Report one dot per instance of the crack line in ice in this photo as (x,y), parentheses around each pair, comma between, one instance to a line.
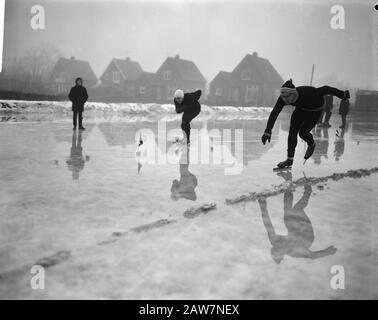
(189,214)
(287,185)
(65,255)
(45,262)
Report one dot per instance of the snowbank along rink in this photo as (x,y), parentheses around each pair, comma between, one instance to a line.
(107,216)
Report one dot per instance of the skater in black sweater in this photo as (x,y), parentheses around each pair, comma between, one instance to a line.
(189,105)
(309,103)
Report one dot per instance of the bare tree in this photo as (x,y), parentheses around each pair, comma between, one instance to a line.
(29,73)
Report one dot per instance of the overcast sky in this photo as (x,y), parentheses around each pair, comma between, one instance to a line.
(216,35)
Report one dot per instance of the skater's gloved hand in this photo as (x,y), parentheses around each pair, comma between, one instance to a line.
(266,136)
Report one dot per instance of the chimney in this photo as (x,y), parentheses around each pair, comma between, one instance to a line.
(254,54)
(72,58)
(127,59)
(177,56)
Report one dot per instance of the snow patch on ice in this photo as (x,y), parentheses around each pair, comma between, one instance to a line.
(287,185)
(23,106)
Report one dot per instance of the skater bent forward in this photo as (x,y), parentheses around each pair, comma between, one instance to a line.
(189,105)
(308,102)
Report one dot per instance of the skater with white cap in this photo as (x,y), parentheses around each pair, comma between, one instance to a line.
(309,103)
(187,103)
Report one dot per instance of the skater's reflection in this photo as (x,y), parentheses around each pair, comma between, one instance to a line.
(322,144)
(185,188)
(76,161)
(139,154)
(339,145)
(300,235)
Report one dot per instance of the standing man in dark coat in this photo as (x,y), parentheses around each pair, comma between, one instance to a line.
(189,105)
(309,103)
(78,95)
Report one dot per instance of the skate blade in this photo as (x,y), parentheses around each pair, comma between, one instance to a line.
(282,169)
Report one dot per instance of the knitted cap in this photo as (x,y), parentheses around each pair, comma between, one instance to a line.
(179,94)
(289,84)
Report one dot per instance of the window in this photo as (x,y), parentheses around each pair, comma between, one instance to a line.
(142,90)
(219,92)
(116,77)
(246,75)
(167,75)
(106,77)
(251,94)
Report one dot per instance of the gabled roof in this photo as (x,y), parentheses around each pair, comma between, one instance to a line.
(187,70)
(130,70)
(75,68)
(263,66)
(223,76)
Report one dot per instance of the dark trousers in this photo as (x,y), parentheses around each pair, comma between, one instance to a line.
(302,122)
(185,123)
(343,119)
(327,116)
(77,114)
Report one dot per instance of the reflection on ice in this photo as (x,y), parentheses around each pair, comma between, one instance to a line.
(339,145)
(76,162)
(300,235)
(185,187)
(127,203)
(322,143)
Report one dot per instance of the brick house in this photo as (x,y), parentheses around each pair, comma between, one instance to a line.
(118,82)
(65,72)
(253,82)
(146,88)
(177,73)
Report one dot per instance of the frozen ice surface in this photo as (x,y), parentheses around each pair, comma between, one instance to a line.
(108,219)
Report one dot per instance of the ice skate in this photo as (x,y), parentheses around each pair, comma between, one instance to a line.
(284,165)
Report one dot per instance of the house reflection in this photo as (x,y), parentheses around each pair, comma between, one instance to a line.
(124,135)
